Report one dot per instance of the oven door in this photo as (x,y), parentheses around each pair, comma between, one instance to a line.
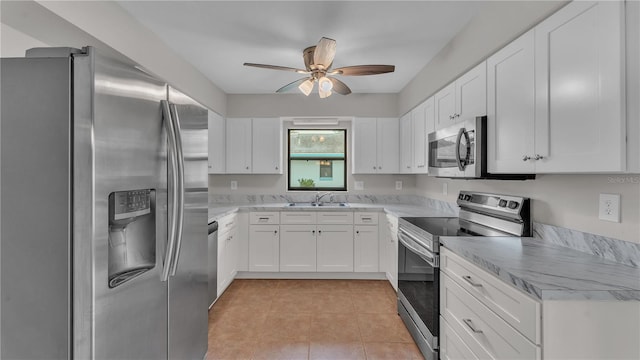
(453,150)
(418,293)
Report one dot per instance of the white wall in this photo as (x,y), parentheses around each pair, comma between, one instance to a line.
(569,201)
(275,105)
(81,23)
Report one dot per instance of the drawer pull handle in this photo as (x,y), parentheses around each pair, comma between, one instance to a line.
(470,325)
(366,219)
(468,279)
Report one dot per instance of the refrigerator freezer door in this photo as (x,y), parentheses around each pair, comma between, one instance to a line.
(36,214)
(188,287)
(120,145)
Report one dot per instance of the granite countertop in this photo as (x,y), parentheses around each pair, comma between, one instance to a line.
(217,211)
(548,272)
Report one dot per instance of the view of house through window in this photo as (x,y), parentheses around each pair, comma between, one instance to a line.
(317,159)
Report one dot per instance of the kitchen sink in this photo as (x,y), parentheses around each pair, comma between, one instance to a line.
(321,204)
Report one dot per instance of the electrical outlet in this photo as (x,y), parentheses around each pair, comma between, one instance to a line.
(609,208)
(399,185)
(234,185)
(445,189)
(358,185)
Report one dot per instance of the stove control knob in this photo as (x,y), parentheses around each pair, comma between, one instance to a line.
(467,197)
(502,203)
(461,197)
(513,204)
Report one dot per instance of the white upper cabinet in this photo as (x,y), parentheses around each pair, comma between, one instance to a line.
(216,143)
(254,146)
(422,118)
(511,107)
(375,145)
(463,99)
(267,146)
(580,123)
(406,144)
(238,146)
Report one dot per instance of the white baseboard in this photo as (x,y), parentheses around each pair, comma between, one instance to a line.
(311,275)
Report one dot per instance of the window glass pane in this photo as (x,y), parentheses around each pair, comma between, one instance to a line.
(317,143)
(311,174)
(317,159)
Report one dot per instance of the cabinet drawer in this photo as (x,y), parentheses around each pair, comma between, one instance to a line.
(451,345)
(335,217)
(366,218)
(484,332)
(298,217)
(264,218)
(227,223)
(517,309)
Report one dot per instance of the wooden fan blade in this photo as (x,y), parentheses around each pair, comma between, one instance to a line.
(275,67)
(339,87)
(359,70)
(292,85)
(325,52)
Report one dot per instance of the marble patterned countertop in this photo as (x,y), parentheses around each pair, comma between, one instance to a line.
(540,269)
(217,211)
(546,271)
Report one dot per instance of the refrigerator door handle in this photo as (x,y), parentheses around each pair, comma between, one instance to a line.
(172,166)
(180,187)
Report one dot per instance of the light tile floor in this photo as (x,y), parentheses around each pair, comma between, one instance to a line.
(308,319)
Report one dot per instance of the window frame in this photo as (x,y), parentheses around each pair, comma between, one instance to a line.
(346,147)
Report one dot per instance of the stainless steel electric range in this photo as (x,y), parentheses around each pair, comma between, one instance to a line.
(481,214)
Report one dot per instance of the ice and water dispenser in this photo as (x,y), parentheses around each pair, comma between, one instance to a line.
(132,234)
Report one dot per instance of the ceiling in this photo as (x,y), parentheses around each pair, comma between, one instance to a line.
(217,37)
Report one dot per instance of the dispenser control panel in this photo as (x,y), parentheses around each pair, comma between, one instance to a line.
(131,203)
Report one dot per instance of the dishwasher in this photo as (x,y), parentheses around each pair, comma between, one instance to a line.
(213,262)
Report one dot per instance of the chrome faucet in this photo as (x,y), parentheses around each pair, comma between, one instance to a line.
(318,196)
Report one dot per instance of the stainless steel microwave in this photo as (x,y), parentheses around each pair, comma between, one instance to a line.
(460,151)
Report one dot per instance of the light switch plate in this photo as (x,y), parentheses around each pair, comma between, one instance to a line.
(399,185)
(234,185)
(609,207)
(358,185)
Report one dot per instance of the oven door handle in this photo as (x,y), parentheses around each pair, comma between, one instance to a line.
(424,254)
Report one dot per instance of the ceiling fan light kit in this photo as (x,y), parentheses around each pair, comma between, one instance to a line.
(318,60)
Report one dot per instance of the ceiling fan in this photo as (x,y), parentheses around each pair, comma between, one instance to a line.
(318,60)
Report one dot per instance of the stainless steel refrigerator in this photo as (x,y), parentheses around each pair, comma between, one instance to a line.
(103,195)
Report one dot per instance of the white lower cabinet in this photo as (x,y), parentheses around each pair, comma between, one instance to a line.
(264,248)
(389,248)
(365,242)
(482,317)
(228,251)
(334,248)
(298,248)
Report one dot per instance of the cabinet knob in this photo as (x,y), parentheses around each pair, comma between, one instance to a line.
(319,232)
(526,157)
(538,157)
(374,168)
(408,167)
(276,168)
(456,115)
(379,167)
(247,168)
(313,232)
(357,231)
(450,117)
(275,231)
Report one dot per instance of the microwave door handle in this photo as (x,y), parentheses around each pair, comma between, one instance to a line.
(458,158)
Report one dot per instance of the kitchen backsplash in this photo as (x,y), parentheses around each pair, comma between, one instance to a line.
(620,251)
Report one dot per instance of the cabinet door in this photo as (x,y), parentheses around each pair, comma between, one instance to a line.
(388,149)
(580,124)
(267,146)
(511,107)
(406,144)
(222,263)
(420,132)
(232,255)
(445,106)
(392,251)
(216,143)
(298,248)
(238,146)
(365,146)
(471,94)
(335,248)
(452,347)
(264,248)
(365,245)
